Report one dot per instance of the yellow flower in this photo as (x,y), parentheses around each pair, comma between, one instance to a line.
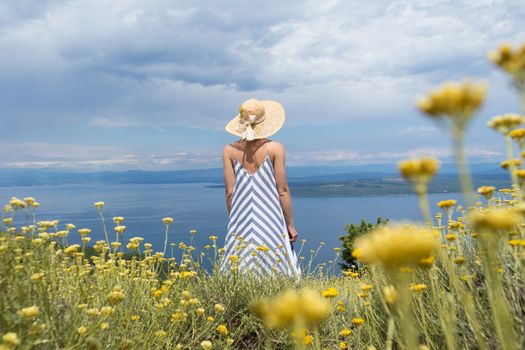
(118,219)
(342,345)
(219,308)
(418,168)
(167,220)
(341,306)
(456,100)
(263,248)
(446,203)
(135,317)
(11,339)
(390,295)
(82,330)
(99,205)
(505,123)
(358,321)
(459,260)
(366,287)
(511,61)
(213,238)
(418,287)
(345,332)
(450,237)
(330,292)
(29,312)
(222,329)
(494,219)
(396,245)
(210,318)
(308,339)
(120,229)
(116,296)
(84,232)
(486,191)
(291,307)
(506,164)
(160,333)
(104,325)
(206,344)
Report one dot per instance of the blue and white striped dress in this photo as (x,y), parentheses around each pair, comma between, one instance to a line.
(257,239)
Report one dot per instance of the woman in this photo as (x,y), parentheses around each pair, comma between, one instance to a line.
(261,232)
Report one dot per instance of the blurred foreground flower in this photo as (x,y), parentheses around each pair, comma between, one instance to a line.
(292,308)
(394,246)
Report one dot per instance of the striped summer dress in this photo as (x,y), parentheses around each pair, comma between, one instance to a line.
(257,239)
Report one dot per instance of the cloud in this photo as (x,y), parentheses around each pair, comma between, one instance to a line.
(73,66)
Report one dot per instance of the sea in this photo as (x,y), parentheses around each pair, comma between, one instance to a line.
(196,206)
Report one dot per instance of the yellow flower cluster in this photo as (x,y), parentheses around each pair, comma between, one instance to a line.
(457,100)
(396,245)
(505,123)
(291,308)
(512,61)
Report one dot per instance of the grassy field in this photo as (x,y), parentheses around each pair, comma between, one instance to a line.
(454,282)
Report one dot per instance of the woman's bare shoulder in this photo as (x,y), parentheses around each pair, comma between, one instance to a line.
(276,146)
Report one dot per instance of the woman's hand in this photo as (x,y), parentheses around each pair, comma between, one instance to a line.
(292,232)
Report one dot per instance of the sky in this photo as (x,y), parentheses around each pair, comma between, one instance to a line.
(114,85)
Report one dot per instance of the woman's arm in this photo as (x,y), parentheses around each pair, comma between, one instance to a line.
(229,176)
(285,196)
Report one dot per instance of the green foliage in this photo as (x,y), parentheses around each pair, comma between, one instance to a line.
(352,232)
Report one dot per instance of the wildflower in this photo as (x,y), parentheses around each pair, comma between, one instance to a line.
(167,220)
(120,229)
(82,330)
(358,321)
(200,311)
(446,203)
(366,287)
(193,231)
(390,295)
(291,307)
(84,232)
(118,220)
(486,191)
(418,287)
(99,205)
(419,171)
(206,344)
(511,61)
(219,308)
(8,221)
(104,325)
(222,329)
(342,345)
(407,245)
(116,296)
(11,339)
(160,333)
(308,339)
(263,248)
(505,123)
(508,163)
(210,318)
(450,237)
(495,219)
(340,306)
(135,317)
(456,100)
(345,332)
(330,292)
(29,312)
(70,227)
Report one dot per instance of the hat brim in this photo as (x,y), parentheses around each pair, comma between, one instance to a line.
(273,121)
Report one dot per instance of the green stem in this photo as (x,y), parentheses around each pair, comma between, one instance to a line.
(423,204)
(463,169)
(165,241)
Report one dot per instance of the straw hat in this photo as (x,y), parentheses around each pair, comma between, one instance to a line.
(257,119)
